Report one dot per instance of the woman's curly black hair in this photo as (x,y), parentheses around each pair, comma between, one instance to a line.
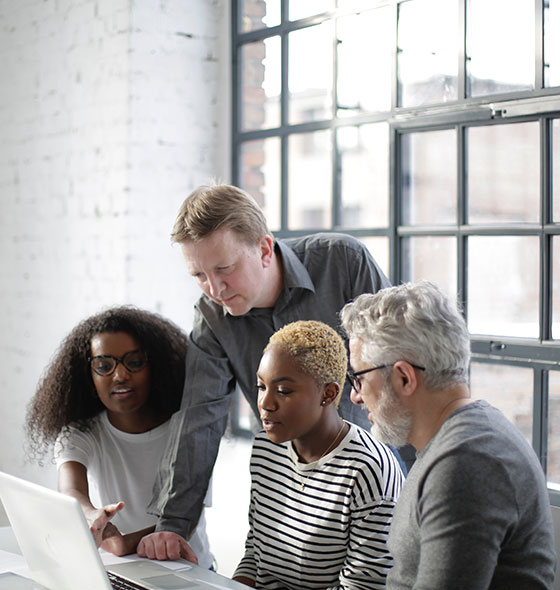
(66,394)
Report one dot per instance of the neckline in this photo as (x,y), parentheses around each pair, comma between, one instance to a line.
(305,467)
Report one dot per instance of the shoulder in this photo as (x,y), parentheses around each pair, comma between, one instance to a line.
(78,440)
(266,450)
(365,446)
(86,430)
(339,251)
(475,448)
(325,242)
(477,427)
(269,459)
(375,465)
(261,442)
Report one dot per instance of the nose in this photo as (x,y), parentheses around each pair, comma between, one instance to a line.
(356,397)
(121,373)
(266,400)
(215,286)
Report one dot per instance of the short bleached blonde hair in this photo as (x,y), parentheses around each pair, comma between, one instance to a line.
(316,348)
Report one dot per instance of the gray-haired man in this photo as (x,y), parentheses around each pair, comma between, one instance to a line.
(474,512)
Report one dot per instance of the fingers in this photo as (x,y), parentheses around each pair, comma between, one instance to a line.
(187,552)
(111,509)
(99,519)
(165,545)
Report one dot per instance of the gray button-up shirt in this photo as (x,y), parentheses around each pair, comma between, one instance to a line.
(321,273)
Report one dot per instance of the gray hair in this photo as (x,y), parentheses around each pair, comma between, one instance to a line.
(413,322)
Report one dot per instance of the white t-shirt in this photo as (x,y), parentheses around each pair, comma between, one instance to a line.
(122,466)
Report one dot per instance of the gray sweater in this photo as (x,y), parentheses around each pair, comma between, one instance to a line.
(474,511)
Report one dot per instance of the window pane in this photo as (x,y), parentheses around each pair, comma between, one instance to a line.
(500,46)
(429,177)
(311,73)
(503,173)
(556,287)
(503,291)
(364,159)
(556,170)
(299,9)
(360,35)
(510,389)
(379,249)
(427,52)
(260,176)
(310,180)
(257,14)
(261,84)
(551,44)
(553,465)
(432,258)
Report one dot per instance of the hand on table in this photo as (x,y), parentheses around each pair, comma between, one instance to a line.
(165,545)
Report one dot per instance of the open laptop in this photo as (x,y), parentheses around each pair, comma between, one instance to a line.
(58,546)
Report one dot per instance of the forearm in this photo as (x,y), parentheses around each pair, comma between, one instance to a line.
(83,498)
(186,467)
(125,544)
(244,580)
(72,481)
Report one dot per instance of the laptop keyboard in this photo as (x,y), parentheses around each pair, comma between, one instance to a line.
(119,583)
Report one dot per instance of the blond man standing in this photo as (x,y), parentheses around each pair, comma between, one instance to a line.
(252,285)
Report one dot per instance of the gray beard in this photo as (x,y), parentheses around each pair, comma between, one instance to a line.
(392,422)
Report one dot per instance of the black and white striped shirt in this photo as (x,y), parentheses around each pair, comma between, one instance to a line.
(331,534)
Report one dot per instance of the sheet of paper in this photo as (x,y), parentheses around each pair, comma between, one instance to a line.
(12,562)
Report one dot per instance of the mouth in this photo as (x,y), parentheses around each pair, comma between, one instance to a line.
(369,414)
(227,300)
(123,391)
(269,424)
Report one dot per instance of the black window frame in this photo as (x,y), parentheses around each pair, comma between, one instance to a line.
(542,354)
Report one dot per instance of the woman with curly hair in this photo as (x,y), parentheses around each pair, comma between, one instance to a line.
(105,403)
(322,490)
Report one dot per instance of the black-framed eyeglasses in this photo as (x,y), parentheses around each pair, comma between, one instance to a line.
(105,365)
(354,377)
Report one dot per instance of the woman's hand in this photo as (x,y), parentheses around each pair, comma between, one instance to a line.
(98,520)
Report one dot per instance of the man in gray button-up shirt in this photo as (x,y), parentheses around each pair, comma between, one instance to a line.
(252,285)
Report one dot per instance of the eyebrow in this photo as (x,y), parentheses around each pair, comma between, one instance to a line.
(278,379)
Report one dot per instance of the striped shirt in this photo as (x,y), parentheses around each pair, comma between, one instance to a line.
(331,534)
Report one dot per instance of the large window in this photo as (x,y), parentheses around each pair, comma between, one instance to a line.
(430,129)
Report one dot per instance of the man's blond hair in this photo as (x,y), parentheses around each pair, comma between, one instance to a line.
(210,208)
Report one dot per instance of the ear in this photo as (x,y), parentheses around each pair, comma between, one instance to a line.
(404,378)
(330,393)
(266,246)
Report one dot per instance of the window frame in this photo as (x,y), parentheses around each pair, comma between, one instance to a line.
(541,354)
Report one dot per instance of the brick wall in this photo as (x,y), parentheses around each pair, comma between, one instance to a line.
(111,112)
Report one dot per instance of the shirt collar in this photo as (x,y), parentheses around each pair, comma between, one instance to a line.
(295,274)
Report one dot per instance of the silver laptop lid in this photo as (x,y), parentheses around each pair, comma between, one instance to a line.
(53,536)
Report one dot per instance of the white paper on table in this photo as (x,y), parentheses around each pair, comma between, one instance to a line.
(12,562)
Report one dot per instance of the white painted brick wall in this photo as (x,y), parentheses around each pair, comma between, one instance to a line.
(111,112)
